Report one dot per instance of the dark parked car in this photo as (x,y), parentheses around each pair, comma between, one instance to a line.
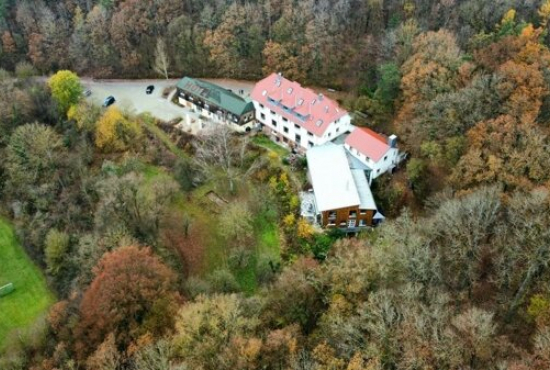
(149,89)
(108,101)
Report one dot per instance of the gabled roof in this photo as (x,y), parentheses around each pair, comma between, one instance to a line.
(368,142)
(331,177)
(216,95)
(298,104)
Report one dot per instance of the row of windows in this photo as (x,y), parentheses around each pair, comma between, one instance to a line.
(285,128)
(353,213)
(350,224)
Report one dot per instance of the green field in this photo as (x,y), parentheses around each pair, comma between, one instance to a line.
(31,297)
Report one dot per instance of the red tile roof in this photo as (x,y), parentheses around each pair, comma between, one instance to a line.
(368,142)
(317,111)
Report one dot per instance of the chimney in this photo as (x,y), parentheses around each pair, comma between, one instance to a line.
(320,97)
(392,141)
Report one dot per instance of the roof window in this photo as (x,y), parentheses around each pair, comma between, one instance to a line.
(319,123)
(289,90)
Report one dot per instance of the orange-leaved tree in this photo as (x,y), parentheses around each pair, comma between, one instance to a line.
(133,294)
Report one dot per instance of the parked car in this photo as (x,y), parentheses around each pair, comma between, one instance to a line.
(149,89)
(87,92)
(108,101)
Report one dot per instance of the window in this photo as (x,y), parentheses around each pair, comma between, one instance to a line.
(262,116)
(309,134)
(285,120)
(353,214)
(329,134)
(386,157)
(264,93)
(289,90)
(362,222)
(337,129)
(261,105)
(298,138)
(274,123)
(378,170)
(285,129)
(273,113)
(319,123)
(310,144)
(301,101)
(332,215)
(362,212)
(297,127)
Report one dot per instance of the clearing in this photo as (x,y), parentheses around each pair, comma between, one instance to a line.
(31,297)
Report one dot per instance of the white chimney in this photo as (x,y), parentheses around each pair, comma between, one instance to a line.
(392,141)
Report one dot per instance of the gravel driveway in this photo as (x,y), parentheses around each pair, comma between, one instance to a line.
(130,94)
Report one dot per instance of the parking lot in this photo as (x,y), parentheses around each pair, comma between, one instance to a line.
(130,95)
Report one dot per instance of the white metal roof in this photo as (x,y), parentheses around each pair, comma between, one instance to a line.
(331,177)
(363,189)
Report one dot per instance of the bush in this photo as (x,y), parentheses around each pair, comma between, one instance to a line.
(223,281)
(25,70)
(195,286)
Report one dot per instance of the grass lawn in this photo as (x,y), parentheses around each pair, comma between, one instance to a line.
(31,297)
(267,143)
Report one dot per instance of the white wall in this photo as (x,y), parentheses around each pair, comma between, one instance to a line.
(307,139)
(384,165)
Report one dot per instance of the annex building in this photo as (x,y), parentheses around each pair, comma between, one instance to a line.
(340,195)
(216,103)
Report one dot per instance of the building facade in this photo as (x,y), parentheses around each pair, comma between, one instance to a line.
(340,196)
(216,103)
(296,116)
(377,153)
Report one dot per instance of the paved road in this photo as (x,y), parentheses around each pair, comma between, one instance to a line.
(130,94)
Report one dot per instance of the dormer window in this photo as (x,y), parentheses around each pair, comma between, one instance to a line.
(289,90)
(301,101)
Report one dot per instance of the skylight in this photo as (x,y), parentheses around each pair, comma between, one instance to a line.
(264,93)
(301,101)
(289,90)
(319,123)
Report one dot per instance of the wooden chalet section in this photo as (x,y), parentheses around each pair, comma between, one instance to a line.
(341,194)
(215,102)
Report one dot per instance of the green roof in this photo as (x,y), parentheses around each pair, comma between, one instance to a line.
(216,95)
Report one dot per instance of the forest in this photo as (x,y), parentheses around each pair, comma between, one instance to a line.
(163,251)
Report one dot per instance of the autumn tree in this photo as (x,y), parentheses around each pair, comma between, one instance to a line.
(34,159)
(133,294)
(56,247)
(133,203)
(214,329)
(66,89)
(506,152)
(115,132)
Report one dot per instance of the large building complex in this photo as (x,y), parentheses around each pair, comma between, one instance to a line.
(297,116)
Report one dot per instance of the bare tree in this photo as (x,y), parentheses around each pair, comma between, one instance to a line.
(162,62)
(217,150)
